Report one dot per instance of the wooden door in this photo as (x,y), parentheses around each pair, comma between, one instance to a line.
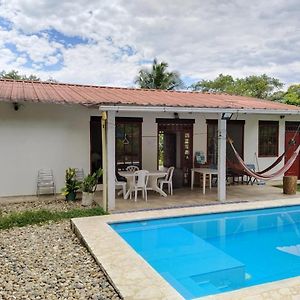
(95,145)
(235,130)
(169,147)
(290,131)
(187,154)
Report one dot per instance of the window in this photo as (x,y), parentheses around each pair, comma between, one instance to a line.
(235,130)
(268,138)
(128,142)
(212,142)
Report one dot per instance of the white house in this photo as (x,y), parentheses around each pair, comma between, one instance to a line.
(51,125)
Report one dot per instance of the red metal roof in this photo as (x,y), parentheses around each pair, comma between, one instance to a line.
(47,92)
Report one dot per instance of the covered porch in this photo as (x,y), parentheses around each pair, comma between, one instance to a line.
(198,139)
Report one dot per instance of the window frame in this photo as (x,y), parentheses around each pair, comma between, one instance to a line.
(135,121)
(210,159)
(261,124)
(211,124)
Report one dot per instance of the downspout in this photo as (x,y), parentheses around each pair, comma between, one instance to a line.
(222,132)
(104,159)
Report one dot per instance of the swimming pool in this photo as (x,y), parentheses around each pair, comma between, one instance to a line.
(214,253)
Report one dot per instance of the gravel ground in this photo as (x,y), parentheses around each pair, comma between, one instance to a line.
(44,202)
(48,262)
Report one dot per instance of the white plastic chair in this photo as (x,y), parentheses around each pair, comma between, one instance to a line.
(139,183)
(122,185)
(45,182)
(168,180)
(132,168)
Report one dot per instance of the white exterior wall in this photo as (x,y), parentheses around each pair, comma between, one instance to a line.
(251,138)
(58,136)
(149,135)
(41,136)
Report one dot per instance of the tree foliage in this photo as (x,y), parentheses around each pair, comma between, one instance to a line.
(13,74)
(291,96)
(261,86)
(158,77)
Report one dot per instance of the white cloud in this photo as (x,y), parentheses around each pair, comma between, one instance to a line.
(198,38)
(6,56)
(20,60)
(97,66)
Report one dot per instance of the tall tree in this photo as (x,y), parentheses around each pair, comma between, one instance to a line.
(158,77)
(13,74)
(291,96)
(222,84)
(261,86)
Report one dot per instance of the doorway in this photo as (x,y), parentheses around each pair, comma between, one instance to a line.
(95,145)
(291,131)
(175,147)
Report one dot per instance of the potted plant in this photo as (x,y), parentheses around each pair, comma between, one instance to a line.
(72,185)
(88,187)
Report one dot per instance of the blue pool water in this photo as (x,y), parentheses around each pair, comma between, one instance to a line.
(210,254)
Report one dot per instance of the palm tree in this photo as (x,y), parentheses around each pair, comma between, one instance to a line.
(158,77)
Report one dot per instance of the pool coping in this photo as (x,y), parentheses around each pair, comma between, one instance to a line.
(141,281)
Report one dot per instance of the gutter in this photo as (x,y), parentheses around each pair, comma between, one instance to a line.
(136,108)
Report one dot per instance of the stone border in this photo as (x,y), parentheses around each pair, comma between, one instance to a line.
(132,276)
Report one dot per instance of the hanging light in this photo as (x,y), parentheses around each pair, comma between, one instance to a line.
(226,116)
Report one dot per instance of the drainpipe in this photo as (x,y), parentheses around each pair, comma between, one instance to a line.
(222,131)
(104,159)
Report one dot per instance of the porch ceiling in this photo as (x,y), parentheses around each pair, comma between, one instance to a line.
(189,109)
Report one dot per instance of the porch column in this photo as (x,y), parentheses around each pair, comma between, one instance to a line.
(221,158)
(104,159)
(108,159)
(111,163)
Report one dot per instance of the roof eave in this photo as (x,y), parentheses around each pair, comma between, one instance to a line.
(181,109)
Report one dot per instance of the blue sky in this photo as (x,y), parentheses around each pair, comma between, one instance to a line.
(107,42)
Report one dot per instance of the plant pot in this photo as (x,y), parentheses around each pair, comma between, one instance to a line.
(87,199)
(71,196)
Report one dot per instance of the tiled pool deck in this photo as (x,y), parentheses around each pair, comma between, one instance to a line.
(134,278)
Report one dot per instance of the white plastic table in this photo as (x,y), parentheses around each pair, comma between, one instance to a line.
(152,181)
(204,172)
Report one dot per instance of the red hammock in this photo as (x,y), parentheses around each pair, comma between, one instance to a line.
(274,164)
(259,176)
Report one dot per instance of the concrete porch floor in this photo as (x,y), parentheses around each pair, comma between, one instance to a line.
(185,197)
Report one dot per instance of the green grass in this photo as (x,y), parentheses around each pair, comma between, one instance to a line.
(280,186)
(41,216)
